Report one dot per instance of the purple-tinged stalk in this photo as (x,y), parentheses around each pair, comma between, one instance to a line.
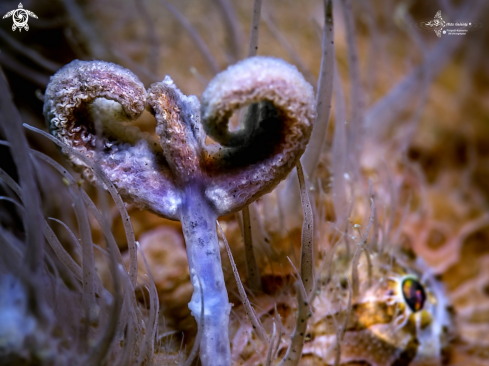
(177,175)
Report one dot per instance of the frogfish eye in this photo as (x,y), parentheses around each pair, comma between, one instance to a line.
(413,293)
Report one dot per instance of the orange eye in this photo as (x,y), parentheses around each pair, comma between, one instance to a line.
(413,293)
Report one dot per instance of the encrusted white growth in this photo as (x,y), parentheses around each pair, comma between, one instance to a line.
(195,305)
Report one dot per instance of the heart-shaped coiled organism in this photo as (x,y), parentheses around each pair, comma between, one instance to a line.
(174,173)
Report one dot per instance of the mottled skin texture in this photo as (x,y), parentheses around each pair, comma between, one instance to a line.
(174,173)
(381,330)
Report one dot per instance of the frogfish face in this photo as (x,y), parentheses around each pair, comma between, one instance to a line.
(399,316)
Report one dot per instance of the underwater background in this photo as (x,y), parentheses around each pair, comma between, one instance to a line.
(403,163)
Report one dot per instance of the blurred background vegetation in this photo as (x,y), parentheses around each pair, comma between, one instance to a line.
(192,40)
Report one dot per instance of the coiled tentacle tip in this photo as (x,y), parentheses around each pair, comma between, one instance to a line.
(151,170)
(253,160)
